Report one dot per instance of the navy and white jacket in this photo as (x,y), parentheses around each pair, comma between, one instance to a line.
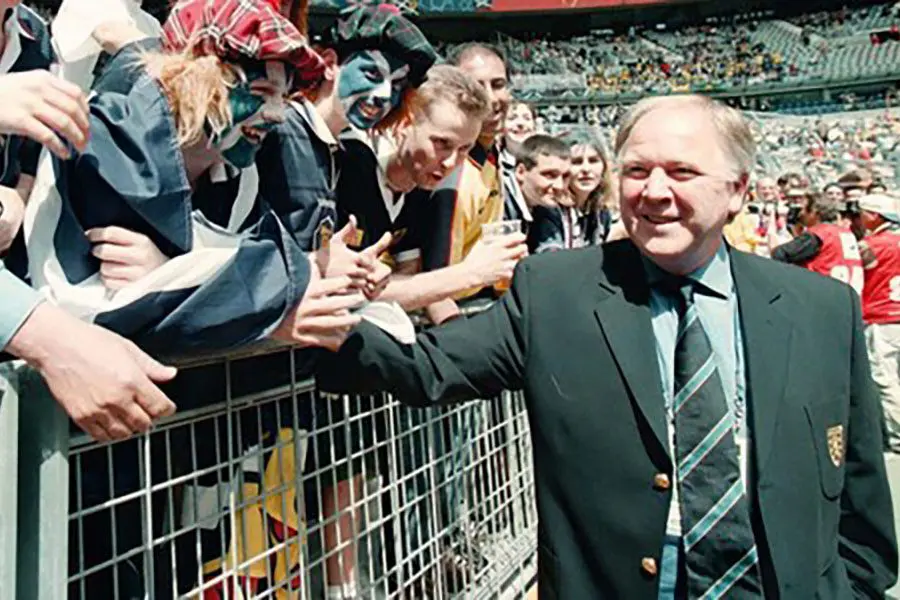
(231,276)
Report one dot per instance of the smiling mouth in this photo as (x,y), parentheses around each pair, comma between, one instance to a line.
(659,220)
(369,110)
(253,135)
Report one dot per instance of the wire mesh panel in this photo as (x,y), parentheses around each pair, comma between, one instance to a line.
(263,487)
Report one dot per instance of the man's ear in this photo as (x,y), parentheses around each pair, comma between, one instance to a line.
(401,132)
(736,202)
(520,173)
(332,68)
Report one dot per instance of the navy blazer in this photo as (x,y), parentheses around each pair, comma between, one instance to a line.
(574,333)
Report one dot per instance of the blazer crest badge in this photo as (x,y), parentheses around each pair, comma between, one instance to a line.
(836,444)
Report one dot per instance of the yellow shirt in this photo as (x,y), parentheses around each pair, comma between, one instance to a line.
(467,199)
(741,233)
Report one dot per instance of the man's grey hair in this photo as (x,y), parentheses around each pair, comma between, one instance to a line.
(735,135)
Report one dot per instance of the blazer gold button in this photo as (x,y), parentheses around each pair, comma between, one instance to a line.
(661,481)
(649,566)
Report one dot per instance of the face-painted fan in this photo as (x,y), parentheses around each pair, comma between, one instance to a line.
(228,275)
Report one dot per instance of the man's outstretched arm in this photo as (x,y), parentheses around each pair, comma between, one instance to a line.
(470,358)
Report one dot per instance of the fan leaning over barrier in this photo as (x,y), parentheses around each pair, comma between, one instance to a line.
(228,272)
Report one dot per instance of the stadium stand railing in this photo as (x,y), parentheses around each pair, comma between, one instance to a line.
(231,497)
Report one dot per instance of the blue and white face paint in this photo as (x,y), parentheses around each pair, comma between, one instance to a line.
(257,106)
(370,86)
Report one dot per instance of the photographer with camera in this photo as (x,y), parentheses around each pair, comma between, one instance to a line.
(826,246)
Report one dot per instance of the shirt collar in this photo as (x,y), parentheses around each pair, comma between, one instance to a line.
(714,276)
(315,121)
(507,159)
(16,24)
(480,155)
(385,150)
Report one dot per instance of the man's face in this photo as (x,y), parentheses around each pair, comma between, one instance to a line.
(808,216)
(547,182)
(370,85)
(587,169)
(257,106)
(767,190)
(870,220)
(437,142)
(519,122)
(488,70)
(834,192)
(677,188)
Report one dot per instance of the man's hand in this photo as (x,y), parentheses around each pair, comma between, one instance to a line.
(322,317)
(380,275)
(105,383)
(366,272)
(44,108)
(492,260)
(125,256)
(338,260)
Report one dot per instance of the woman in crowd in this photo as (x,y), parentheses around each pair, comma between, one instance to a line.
(520,123)
(834,191)
(587,216)
(592,189)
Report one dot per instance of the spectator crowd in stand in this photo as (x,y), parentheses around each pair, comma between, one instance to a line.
(743,51)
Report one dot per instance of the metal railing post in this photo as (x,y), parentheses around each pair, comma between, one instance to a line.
(43,532)
(9,460)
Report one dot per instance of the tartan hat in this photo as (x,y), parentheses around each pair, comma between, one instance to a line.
(382,28)
(241,30)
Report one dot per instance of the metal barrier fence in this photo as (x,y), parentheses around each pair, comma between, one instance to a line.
(263,487)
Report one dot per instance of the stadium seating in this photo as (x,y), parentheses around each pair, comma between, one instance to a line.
(719,56)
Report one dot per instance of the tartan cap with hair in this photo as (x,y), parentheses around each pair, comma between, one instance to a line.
(382,28)
(242,30)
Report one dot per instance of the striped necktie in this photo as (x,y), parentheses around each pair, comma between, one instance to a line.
(720,554)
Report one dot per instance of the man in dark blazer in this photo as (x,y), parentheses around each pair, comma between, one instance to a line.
(703,420)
